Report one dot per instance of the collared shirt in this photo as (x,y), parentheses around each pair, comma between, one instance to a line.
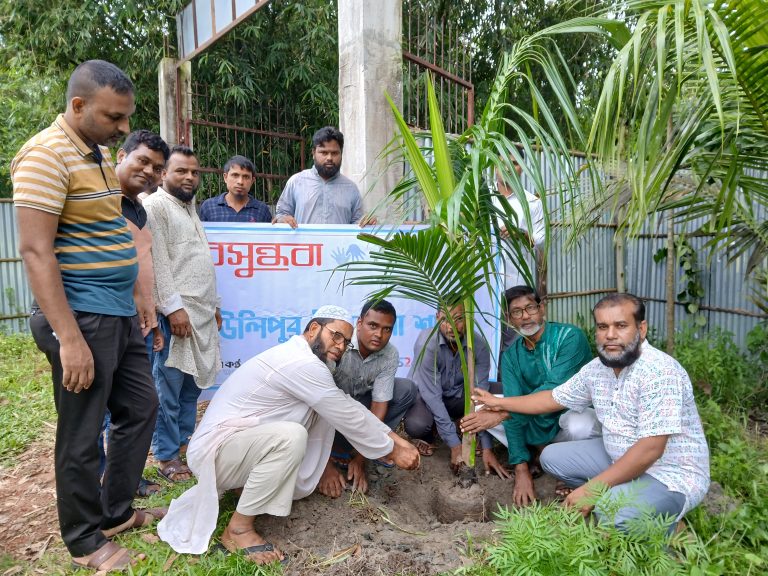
(216,209)
(312,200)
(56,172)
(185,278)
(537,235)
(560,352)
(357,376)
(438,375)
(652,397)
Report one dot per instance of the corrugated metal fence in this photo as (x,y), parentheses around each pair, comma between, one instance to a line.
(576,279)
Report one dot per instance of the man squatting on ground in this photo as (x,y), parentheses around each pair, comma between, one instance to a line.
(81,263)
(440,384)
(185,283)
(653,449)
(269,430)
(544,356)
(366,372)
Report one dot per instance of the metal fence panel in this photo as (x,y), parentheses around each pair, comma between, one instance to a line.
(16,296)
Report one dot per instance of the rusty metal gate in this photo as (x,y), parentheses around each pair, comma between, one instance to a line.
(263,134)
(432,43)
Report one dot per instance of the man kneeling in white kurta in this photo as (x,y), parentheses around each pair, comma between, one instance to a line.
(269,430)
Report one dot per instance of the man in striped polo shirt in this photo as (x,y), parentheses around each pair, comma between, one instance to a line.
(81,263)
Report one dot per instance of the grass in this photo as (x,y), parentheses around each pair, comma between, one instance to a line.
(539,540)
(26,401)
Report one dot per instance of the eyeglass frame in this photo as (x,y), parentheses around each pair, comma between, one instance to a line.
(531,309)
(336,335)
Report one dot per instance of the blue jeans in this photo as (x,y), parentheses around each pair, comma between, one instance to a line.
(178,396)
(577,461)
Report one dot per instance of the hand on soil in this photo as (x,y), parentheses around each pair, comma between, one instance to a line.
(456,459)
(492,464)
(356,474)
(576,498)
(332,482)
(524,492)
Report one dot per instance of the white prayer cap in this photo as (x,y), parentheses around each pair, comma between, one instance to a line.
(333,312)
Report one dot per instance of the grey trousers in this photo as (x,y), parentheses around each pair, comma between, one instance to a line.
(578,461)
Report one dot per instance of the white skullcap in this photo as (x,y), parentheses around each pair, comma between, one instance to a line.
(333,312)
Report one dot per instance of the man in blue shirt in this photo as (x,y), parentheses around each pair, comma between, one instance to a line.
(236,205)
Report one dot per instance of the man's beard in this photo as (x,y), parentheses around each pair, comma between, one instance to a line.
(327,171)
(319,349)
(179,193)
(626,357)
(530,331)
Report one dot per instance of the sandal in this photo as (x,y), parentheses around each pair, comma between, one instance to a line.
(139,519)
(174,467)
(248,550)
(109,558)
(148,488)
(424,448)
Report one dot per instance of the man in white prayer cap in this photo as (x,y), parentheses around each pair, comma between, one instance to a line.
(269,430)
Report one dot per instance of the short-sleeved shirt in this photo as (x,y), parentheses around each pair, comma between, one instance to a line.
(357,376)
(216,209)
(652,397)
(56,172)
(312,200)
(559,354)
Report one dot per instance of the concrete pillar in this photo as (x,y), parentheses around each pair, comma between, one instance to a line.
(172,77)
(370,63)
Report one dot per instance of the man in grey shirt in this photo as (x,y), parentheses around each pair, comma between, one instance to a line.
(321,195)
(367,373)
(440,383)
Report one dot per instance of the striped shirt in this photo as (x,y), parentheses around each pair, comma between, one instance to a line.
(56,172)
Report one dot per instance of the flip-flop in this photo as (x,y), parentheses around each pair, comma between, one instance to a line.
(172,468)
(268,547)
(140,519)
(384,463)
(148,488)
(424,448)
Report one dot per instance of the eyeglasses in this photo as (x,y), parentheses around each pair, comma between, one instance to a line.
(531,309)
(339,338)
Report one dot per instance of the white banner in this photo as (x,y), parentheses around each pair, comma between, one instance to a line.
(272,278)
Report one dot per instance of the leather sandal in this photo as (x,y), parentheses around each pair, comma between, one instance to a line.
(109,558)
(140,519)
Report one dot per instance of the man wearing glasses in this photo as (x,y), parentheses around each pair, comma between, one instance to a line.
(367,373)
(546,355)
(269,430)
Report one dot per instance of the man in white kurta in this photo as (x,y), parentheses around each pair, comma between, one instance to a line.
(269,429)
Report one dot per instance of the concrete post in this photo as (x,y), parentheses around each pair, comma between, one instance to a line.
(169,82)
(370,63)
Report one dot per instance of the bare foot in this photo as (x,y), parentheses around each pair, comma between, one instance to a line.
(332,482)
(251,544)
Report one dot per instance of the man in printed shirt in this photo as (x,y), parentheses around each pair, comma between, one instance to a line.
(185,284)
(653,449)
(366,372)
(81,263)
(236,204)
(546,355)
(321,194)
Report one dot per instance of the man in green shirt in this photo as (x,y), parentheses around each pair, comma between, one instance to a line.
(544,356)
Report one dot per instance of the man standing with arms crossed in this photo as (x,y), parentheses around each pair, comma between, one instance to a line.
(81,263)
